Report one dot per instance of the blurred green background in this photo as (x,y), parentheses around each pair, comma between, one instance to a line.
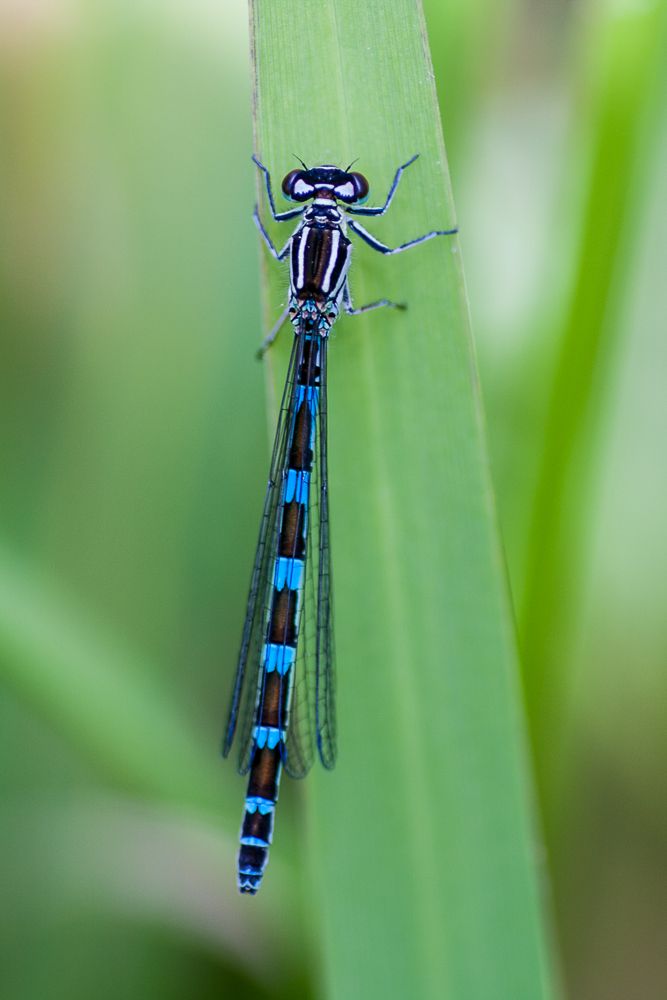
(134,450)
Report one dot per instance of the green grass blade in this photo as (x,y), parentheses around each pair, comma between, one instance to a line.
(97,695)
(422,849)
(626,82)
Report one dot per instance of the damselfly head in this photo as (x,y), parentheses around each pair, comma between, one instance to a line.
(347,186)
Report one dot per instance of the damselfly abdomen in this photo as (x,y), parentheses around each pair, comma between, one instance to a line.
(282,703)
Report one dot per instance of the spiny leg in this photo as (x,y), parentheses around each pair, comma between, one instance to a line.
(392,191)
(278,254)
(351,311)
(383,248)
(272,334)
(278,216)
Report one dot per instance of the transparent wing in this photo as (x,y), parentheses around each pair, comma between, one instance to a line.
(248,679)
(325,705)
(312,718)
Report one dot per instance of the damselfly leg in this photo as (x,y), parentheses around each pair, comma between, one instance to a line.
(351,311)
(365,210)
(277,216)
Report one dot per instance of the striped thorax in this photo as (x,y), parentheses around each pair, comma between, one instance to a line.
(320,257)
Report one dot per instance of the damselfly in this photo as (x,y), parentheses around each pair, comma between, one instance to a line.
(282,703)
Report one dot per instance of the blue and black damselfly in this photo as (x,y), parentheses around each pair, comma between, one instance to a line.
(282,704)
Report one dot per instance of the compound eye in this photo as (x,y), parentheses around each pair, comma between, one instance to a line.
(360,186)
(354,189)
(296,187)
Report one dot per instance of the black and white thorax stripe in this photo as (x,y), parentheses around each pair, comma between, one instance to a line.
(320,254)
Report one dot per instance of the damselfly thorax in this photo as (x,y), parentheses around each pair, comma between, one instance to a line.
(320,255)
